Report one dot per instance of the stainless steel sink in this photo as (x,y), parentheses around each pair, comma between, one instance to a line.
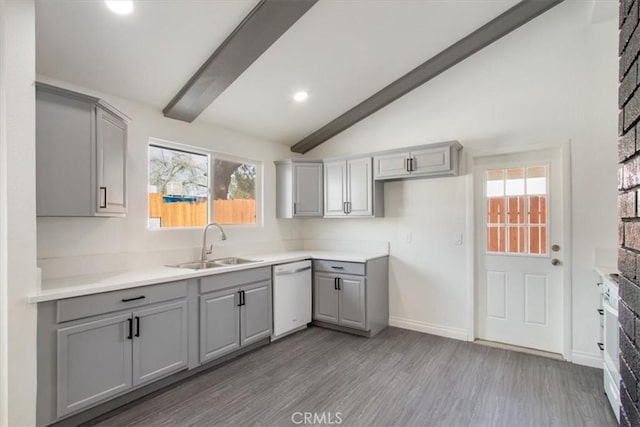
(199,265)
(216,263)
(234,261)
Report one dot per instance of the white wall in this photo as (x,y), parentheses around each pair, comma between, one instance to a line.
(72,246)
(17,215)
(551,81)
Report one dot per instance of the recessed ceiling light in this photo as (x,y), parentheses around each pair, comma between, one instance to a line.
(300,96)
(121,7)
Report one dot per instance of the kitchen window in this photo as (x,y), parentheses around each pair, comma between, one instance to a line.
(190,187)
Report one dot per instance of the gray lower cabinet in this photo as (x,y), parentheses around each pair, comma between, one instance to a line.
(340,299)
(235,317)
(219,324)
(326,297)
(352,304)
(98,359)
(94,362)
(255,313)
(159,341)
(351,295)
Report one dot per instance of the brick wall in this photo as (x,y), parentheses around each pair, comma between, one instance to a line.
(629,227)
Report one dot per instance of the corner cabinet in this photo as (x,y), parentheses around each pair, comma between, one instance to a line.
(433,160)
(350,296)
(349,189)
(81,155)
(299,188)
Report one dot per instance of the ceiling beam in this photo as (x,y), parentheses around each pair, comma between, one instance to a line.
(255,34)
(502,25)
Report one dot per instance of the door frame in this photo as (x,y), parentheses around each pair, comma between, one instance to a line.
(473,258)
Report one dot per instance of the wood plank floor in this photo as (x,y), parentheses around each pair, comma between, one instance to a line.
(399,378)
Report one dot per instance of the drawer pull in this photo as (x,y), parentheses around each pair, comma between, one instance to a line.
(133,299)
(335,267)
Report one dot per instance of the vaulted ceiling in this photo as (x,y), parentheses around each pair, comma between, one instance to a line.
(340,52)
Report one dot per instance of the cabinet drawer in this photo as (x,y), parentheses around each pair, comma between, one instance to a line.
(106,302)
(356,268)
(236,278)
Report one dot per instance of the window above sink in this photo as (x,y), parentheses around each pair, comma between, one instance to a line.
(188,187)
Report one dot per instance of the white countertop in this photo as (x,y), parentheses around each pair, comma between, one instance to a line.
(605,270)
(69,287)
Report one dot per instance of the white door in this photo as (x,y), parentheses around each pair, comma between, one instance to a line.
(360,188)
(335,188)
(520,249)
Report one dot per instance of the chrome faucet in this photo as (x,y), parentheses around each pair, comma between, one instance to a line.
(207,251)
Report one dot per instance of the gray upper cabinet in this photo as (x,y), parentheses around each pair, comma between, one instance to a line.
(81,154)
(219,324)
(350,190)
(93,363)
(298,188)
(160,341)
(111,158)
(431,160)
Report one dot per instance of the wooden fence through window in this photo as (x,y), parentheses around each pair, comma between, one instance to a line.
(194,214)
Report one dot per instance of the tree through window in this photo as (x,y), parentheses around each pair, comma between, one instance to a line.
(182,181)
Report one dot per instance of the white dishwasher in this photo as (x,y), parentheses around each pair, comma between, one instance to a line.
(291,298)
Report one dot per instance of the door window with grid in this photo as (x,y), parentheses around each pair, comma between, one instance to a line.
(517,210)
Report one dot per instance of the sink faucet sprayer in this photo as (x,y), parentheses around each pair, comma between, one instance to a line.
(208,251)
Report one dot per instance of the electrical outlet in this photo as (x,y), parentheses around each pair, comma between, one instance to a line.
(457,238)
(408,237)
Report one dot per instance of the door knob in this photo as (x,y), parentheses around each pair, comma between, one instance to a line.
(555,248)
(556,261)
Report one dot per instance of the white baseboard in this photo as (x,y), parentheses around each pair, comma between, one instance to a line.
(587,359)
(429,328)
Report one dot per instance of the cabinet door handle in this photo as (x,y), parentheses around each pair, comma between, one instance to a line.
(133,299)
(244,301)
(344,207)
(137,326)
(335,283)
(239,298)
(103,203)
(130,327)
(339,280)
(601,312)
(406,164)
(601,346)
(348,207)
(411,159)
(295,208)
